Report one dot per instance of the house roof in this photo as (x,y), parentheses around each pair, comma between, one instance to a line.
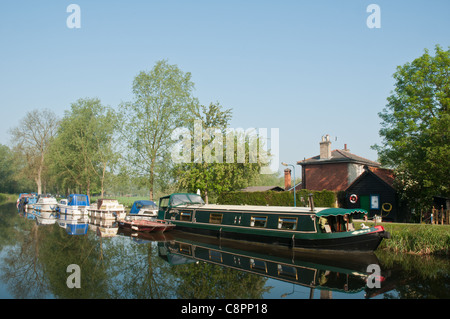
(339,156)
(384,174)
(387,175)
(262,189)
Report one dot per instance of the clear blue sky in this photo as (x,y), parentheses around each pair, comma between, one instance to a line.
(308,68)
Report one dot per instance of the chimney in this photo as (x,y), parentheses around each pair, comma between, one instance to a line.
(325,147)
(287,178)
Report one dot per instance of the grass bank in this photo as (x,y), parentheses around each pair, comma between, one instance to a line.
(5,198)
(420,239)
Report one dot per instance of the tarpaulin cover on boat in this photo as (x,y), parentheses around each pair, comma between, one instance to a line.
(340,211)
(137,205)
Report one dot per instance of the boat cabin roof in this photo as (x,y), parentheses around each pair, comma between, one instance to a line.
(187,200)
(78,200)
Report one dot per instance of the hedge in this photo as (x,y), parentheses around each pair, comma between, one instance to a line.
(321,198)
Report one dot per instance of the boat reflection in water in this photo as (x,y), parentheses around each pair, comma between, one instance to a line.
(73,224)
(103,227)
(145,237)
(343,272)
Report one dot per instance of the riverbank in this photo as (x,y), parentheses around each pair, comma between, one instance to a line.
(419,239)
(4,198)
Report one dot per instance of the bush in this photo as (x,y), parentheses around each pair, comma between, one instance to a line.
(321,198)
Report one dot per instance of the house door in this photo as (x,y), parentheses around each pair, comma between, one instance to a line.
(365,202)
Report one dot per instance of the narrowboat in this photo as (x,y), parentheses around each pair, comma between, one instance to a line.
(316,228)
(107,209)
(75,205)
(343,272)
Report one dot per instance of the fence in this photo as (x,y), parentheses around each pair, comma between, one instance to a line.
(436,216)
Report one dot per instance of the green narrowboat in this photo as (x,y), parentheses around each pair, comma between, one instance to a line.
(295,227)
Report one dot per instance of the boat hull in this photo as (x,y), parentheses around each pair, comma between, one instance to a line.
(358,241)
(146,226)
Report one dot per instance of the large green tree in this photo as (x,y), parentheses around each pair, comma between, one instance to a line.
(83,149)
(162,98)
(415,127)
(220,159)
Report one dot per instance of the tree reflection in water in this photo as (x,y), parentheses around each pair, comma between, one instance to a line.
(34,261)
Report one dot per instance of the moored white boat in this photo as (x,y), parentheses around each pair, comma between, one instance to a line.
(45,210)
(107,209)
(75,205)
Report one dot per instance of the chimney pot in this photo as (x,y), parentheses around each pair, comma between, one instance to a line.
(287,178)
(325,147)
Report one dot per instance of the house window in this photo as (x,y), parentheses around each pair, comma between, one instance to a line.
(258,221)
(215,218)
(185,216)
(287,223)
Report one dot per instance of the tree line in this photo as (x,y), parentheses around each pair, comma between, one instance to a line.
(95,148)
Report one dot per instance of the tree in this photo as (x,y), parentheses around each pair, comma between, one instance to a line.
(83,148)
(162,98)
(415,127)
(32,138)
(208,172)
(7,170)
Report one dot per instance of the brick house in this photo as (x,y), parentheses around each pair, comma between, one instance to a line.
(333,170)
(341,171)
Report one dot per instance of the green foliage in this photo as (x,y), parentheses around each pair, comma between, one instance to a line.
(12,173)
(215,174)
(321,198)
(7,169)
(415,127)
(162,98)
(83,147)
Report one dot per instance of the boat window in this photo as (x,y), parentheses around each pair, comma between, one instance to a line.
(196,199)
(287,223)
(186,199)
(186,216)
(258,221)
(164,202)
(287,271)
(215,218)
(258,264)
(215,255)
(185,249)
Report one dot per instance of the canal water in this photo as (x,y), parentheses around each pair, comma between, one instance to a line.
(96,260)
